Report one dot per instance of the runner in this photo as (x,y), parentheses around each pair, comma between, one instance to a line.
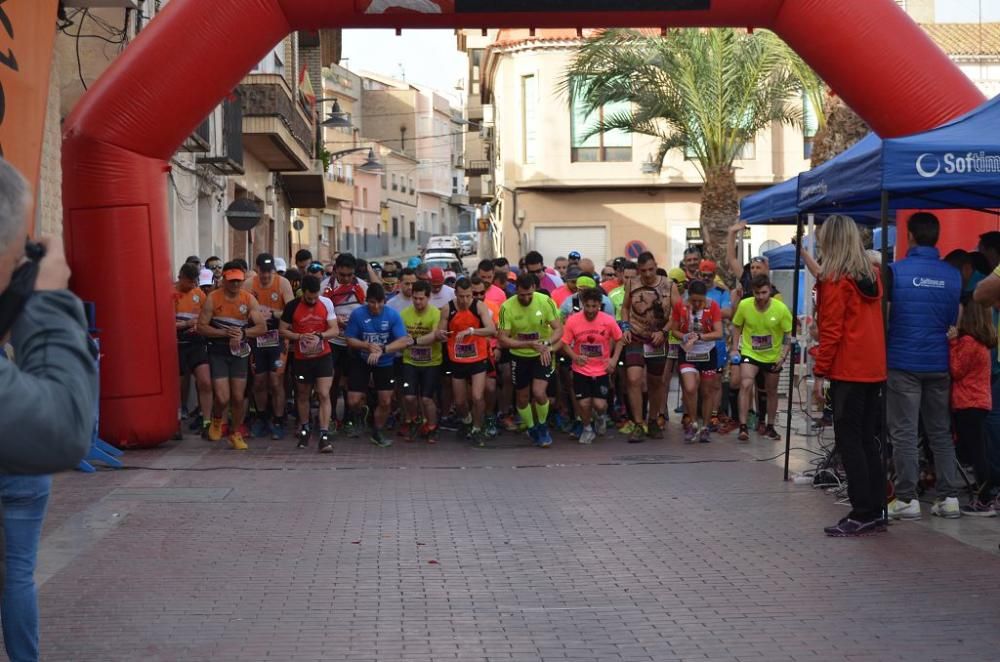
(587,340)
(762,329)
(404,299)
(441,294)
(347,293)
(490,427)
(270,356)
(628,271)
(421,365)
(191,349)
(648,298)
(561,265)
(527,322)
(568,288)
(229,319)
(309,323)
(494,294)
(535,265)
(467,324)
(375,333)
(698,322)
(719,294)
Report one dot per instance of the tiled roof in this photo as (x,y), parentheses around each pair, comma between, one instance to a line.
(966,38)
(508,37)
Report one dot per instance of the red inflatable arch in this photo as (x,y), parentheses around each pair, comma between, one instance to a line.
(120,137)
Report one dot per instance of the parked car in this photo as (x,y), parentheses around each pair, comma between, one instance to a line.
(447,261)
(470,242)
(444,242)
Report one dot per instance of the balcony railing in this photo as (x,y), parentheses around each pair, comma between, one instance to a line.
(226,154)
(477,168)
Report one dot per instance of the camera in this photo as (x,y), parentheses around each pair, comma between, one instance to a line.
(22,284)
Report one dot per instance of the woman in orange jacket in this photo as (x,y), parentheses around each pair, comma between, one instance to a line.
(851,354)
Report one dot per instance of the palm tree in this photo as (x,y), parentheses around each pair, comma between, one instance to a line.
(707,91)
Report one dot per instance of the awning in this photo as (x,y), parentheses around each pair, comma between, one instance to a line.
(305,190)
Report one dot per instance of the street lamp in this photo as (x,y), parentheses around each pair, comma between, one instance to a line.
(337,119)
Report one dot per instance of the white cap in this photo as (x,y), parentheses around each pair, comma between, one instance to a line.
(205,277)
(280,264)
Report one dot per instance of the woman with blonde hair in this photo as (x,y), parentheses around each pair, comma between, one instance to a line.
(851,355)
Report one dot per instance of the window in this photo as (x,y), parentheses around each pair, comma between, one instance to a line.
(605,146)
(454,185)
(364,239)
(364,198)
(412,190)
(529,118)
(476,58)
(356,196)
(273,62)
(413,230)
(394,186)
(395,226)
(383,178)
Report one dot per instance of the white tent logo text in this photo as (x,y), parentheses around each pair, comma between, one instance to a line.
(929,165)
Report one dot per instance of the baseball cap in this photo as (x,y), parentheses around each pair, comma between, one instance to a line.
(265,262)
(280,264)
(234,274)
(315,268)
(707,267)
(205,277)
(574,255)
(573,272)
(677,275)
(585,282)
(413,263)
(437,275)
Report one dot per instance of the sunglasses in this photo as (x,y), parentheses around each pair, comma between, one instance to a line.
(607,274)
(758,260)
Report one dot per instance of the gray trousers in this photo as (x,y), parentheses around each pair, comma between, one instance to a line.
(915,397)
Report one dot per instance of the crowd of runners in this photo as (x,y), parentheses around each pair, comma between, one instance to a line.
(350,348)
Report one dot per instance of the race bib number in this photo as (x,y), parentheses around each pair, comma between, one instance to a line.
(591,351)
(269,339)
(699,357)
(420,354)
(761,343)
(310,345)
(465,350)
(242,350)
(651,352)
(528,336)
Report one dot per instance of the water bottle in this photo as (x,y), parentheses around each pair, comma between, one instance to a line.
(735,359)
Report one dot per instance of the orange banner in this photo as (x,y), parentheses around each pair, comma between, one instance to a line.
(27,37)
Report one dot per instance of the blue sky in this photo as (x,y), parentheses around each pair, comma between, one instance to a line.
(429,56)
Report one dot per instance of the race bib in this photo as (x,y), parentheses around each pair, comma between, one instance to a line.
(591,351)
(242,350)
(310,345)
(528,336)
(700,357)
(465,350)
(761,343)
(673,350)
(420,354)
(269,339)
(651,352)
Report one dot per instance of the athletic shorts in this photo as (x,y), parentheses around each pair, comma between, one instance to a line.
(586,388)
(421,380)
(635,357)
(764,367)
(467,370)
(505,356)
(526,370)
(226,366)
(191,355)
(340,355)
(307,371)
(709,367)
(269,359)
(360,375)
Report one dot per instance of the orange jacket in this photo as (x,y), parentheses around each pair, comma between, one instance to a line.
(851,334)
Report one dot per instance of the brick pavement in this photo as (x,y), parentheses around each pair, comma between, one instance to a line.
(615,552)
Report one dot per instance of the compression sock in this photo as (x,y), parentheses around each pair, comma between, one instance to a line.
(543,412)
(527,418)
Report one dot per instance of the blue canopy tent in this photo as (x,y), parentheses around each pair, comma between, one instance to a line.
(778,204)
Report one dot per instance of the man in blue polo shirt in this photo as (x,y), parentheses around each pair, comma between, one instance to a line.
(375,333)
(924,299)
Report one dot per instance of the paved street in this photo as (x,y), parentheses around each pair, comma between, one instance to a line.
(618,552)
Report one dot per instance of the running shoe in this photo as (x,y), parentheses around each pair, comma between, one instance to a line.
(577,429)
(278,430)
(325,444)
(491,430)
(628,427)
(744,433)
(947,508)
(259,428)
(237,442)
(587,435)
(390,423)
(771,433)
(654,430)
(196,423)
(706,435)
(977,508)
(601,425)
(690,434)
(429,433)
(761,428)
(205,424)
(714,422)
(544,436)
(902,509)
(477,437)
(244,430)
(637,434)
(406,430)
(510,424)
(535,434)
(379,440)
(850,528)
(304,433)
(215,430)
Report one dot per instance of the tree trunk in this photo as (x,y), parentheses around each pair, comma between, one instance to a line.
(720,208)
(843,128)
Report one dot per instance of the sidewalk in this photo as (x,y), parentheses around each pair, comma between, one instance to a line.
(653,552)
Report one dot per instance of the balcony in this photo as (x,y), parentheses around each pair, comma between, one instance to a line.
(477,168)
(200,141)
(225,154)
(338,189)
(275,129)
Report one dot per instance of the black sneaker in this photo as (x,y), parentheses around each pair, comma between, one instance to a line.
(379,440)
(849,528)
(771,433)
(325,445)
(744,433)
(303,435)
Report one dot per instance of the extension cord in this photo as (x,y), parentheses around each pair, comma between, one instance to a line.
(802,480)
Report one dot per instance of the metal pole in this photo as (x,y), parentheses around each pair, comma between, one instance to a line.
(884,433)
(791,364)
(810,304)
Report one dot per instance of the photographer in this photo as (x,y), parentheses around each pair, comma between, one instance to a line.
(48,395)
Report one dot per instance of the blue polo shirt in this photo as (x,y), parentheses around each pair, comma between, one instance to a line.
(380,330)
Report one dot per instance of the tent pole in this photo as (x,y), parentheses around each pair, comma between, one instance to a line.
(791,364)
(810,305)
(884,434)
